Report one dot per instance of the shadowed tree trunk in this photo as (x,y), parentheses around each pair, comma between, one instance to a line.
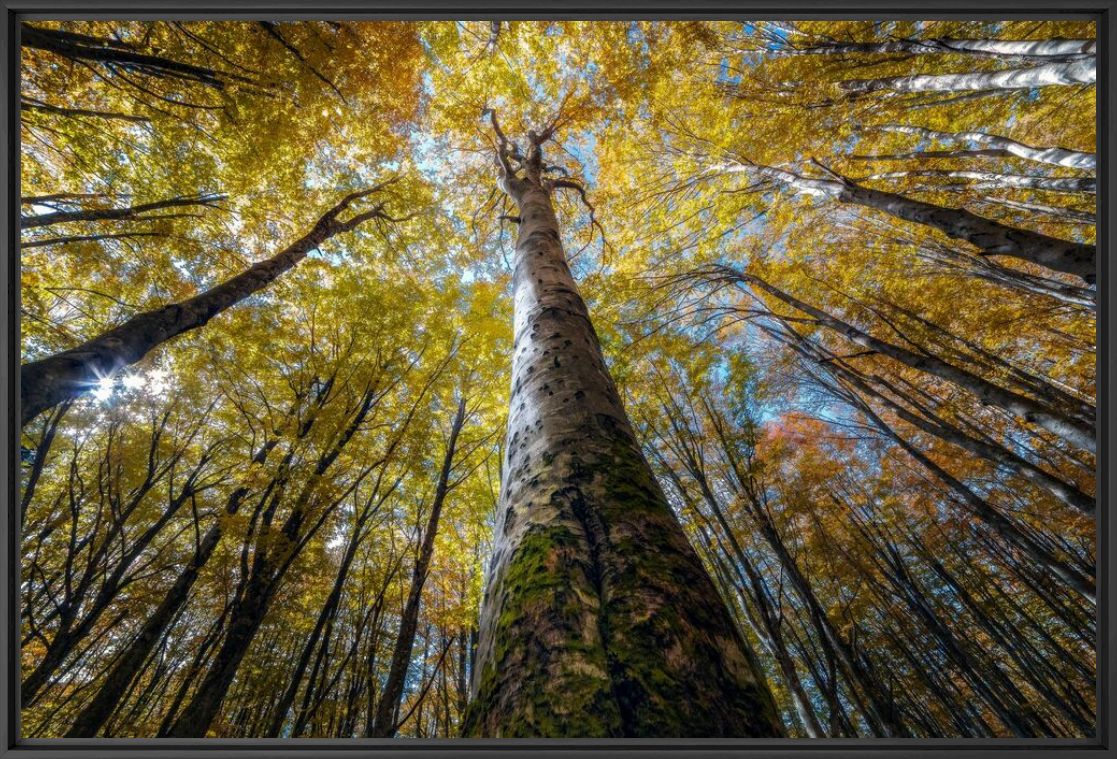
(599,618)
(1074,430)
(386,709)
(990,238)
(131,213)
(129,663)
(54,379)
(269,565)
(82,47)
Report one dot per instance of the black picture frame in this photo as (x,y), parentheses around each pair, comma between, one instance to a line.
(1103,12)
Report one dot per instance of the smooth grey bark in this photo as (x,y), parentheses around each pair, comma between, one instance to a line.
(994,180)
(921,155)
(1070,215)
(1073,72)
(1056,156)
(1052,48)
(49,381)
(990,238)
(599,618)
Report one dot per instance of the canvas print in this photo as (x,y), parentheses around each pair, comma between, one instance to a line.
(558,379)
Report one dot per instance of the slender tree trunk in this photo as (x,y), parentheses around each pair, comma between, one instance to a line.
(82,47)
(195,719)
(1052,48)
(269,566)
(992,452)
(878,709)
(388,706)
(1004,527)
(738,575)
(1056,156)
(993,180)
(991,238)
(1000,524)
(131,661)
(599,618)
(50,429)
(1081,71)
(115,214)
(325,617)
(989,682)
(62,376)
(1072,430)
(72,630)
(1065,701)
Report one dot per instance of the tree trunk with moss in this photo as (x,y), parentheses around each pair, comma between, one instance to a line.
(599,618)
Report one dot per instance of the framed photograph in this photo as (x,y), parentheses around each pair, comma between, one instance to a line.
(427,379)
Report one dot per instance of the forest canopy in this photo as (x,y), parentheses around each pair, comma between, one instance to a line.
(558,378)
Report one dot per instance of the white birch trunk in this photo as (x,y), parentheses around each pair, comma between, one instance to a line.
(1056,156)
(993,180)
(1053,48)
(1045,75)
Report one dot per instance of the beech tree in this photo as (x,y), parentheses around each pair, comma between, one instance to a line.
(591,634)
(756,397)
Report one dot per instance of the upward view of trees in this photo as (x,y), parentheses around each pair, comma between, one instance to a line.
(558,378)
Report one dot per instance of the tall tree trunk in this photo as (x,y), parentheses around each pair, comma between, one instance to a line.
(991,180)
(51,380)
(385,724)
(1052,48)
(1081,71)
(130,662)
(1074,431)
(115,214)
(1055,156)
(991,238)
(599,618)
(269,566)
